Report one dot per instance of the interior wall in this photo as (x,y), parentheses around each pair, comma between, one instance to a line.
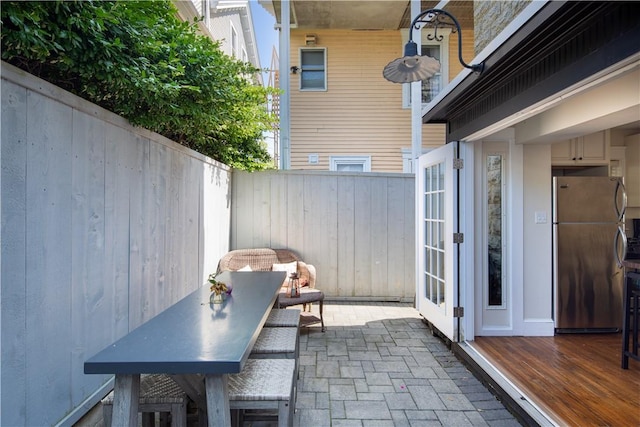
(537,241)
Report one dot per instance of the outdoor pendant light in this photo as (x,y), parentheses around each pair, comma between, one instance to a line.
(413,67)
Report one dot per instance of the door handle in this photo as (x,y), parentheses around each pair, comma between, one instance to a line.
(616,240)
(620,210)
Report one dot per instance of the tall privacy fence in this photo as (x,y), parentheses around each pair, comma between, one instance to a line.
(103,226)
(357,229)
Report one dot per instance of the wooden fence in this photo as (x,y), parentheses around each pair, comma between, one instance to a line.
(357,229)
(103,226)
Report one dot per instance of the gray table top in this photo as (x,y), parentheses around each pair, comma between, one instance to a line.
(193,336)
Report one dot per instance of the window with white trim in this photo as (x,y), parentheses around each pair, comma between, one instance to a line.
(407,158)
(350,163)
(234,42)
(435,47)
(313,69)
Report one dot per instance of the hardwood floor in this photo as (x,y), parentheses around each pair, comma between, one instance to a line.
(574,378)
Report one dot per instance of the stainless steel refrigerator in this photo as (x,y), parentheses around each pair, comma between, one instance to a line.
(588,237)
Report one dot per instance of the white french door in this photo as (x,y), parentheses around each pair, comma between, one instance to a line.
(437,217)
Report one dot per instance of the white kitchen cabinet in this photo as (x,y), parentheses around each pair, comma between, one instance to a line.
(632,170)
(588,150)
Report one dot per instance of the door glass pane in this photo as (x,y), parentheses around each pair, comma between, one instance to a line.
(494,229)
(434,238)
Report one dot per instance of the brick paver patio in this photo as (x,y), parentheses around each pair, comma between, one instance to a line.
(378,365)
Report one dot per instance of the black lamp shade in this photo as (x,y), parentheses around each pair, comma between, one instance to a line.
(412,67)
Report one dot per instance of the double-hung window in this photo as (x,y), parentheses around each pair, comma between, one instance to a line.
(350,163)
(313,69)
(234,42)
(435,46)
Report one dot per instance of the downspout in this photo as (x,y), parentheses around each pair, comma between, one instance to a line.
(285,102)
(416,144)
(416,101)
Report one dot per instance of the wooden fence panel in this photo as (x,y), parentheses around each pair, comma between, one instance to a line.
(345,253)
(123,155)
(278,210)
(357,229)
(14,251)
(48,239)
(295,213)
(87,245)
(362,237)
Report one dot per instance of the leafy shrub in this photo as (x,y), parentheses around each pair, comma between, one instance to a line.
(139,60)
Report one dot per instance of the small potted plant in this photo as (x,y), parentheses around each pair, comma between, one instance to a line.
(218,289)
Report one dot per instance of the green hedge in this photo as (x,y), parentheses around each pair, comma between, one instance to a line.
(139,60)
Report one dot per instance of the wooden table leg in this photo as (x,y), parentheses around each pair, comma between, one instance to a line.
(193,385)
(126,394)
(218,411)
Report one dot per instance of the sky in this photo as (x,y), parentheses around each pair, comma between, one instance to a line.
(266,35)
(267,39)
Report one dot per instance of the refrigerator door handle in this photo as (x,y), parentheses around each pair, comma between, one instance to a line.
(620,233)
(620,210)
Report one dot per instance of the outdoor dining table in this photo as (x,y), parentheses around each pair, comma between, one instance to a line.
(191,339)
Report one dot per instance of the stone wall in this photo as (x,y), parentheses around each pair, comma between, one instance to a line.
(491,17)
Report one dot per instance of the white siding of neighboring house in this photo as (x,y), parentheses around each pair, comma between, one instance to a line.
(360,113)
(188,10)
(221,29)
(223,15)
(237,15)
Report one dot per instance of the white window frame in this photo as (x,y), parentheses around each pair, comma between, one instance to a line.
(495,149)
(233,40)
(425,33)
(407,161)
(301,68)
(335,161)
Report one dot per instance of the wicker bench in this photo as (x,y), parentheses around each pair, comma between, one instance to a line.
(283,319)
(277,343)
(158,393)
(265,384)
(263,259)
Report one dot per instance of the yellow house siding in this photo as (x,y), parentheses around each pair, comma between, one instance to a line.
(360,113)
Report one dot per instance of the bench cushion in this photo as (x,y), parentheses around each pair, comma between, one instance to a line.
(263,379)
